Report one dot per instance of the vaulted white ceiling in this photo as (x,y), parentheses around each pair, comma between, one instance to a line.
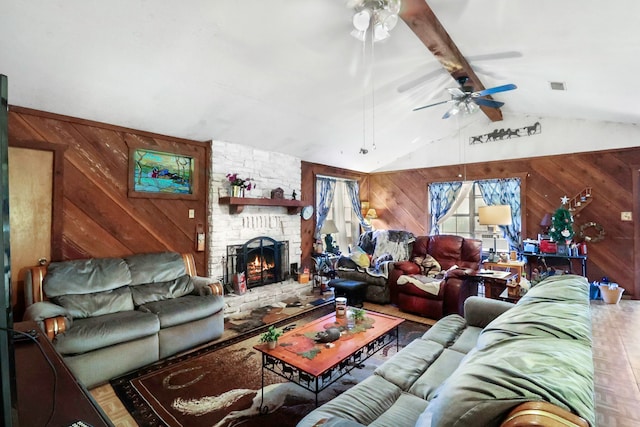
(286,76)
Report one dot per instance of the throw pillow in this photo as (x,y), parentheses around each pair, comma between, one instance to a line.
(429,266)
(360,257)
(346,262)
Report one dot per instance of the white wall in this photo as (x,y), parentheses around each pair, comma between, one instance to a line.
(558,136)
(269,170)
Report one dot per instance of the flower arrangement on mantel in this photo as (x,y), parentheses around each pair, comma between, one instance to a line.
(238,185)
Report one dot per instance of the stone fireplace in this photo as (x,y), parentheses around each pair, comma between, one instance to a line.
(267,227)
(263,260)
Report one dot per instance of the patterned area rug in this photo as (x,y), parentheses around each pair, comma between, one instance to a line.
(221,386)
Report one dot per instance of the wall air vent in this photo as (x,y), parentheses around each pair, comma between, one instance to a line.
(557,86)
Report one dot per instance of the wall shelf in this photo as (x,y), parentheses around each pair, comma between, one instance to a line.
(237,204)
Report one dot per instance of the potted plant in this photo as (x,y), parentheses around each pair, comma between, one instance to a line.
(271,337)
(358,314)
(238,185)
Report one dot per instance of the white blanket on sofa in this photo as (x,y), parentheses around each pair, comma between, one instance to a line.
(426,283)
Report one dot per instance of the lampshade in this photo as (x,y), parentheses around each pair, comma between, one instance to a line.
(329,227)
(372,214)
(495,215)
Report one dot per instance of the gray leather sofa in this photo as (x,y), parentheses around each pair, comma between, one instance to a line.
(108,316)
(500,365)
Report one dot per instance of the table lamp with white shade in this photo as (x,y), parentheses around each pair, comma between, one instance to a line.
(493,216)
(327,229)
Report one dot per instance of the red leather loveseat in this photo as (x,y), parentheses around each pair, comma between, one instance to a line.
(448,250)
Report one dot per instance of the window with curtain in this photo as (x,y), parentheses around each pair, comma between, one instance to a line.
(462,217)
(343,215)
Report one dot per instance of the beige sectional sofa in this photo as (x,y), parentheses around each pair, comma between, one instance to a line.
(500,364)
(108,316)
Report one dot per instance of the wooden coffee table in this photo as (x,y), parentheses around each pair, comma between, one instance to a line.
(315,366)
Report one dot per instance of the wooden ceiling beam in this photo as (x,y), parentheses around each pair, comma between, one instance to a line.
(423,22)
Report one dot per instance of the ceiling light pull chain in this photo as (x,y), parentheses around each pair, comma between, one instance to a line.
(364,150)
(373,97)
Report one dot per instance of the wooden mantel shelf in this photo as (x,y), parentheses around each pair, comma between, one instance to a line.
(237,204)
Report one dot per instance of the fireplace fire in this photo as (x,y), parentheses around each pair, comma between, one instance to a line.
(262,259)
(258,267)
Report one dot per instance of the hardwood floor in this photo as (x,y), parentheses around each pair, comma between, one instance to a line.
(616,358)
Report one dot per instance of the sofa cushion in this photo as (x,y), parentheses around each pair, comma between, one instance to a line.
(404,412)
(364,403)
(436,373)
(467,340)
(155,267)
(85,276)
(102,331)
(188,308)
(151,292)
(409,364)
(96,304)
(446,330)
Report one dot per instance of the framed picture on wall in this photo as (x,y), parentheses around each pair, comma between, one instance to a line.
(159,174)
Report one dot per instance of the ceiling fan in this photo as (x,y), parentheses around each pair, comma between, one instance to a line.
(466,100)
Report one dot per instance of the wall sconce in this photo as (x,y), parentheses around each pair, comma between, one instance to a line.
(371,214)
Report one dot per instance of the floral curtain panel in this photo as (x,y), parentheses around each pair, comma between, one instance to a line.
(505,192)
(325,190)
(442,195)
(354,194)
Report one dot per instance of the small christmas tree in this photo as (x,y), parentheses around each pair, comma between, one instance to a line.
(562,225)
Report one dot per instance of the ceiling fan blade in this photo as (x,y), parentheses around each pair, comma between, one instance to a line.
(432,105)
(496,89)
(488,102)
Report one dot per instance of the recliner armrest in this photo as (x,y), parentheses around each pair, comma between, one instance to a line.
(53,319)
(407,267)
(542,413)
(479,311)
(207,286)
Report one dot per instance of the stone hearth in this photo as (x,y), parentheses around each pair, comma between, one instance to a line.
(266,295)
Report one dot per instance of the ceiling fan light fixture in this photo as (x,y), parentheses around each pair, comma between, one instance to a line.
(361,20)
(380,32)
(381,14)
(387,19)
(360,35)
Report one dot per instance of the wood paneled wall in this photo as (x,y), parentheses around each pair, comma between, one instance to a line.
(400,199)
(95,217)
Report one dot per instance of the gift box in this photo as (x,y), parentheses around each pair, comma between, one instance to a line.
(548,247)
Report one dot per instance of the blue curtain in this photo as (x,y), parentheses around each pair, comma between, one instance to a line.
(354,194)
(505,192)
(325,189)
(441,198)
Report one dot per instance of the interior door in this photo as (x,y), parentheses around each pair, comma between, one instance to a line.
(30,214)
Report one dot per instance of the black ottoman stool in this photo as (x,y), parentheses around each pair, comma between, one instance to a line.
(353,290)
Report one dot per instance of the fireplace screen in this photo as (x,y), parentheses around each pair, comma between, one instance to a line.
(261,259)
